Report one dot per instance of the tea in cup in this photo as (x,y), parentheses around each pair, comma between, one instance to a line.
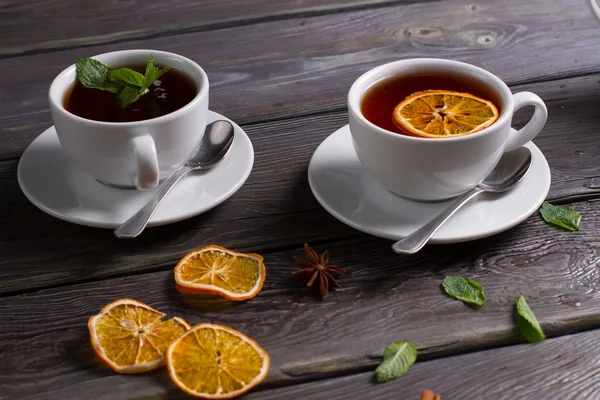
(138,145)
(432,129)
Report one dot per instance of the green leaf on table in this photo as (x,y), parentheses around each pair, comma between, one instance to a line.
(561,216)
(127,84)
(464,289)
(397,359)
(527,322)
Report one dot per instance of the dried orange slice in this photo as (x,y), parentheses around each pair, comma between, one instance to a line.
(217,270)
(216,362)
(132,337)
(443,113)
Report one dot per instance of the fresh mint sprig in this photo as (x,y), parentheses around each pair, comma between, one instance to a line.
(127,84)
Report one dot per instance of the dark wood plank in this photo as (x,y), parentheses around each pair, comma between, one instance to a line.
(564,368)
(38,26)
(384,297)
(563,96)
(301,66)
(275,208)
(18,131)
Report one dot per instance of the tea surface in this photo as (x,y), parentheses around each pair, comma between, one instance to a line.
(379,100)
(169,93)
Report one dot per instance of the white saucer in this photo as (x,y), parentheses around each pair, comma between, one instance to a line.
(55,185)
(350,194)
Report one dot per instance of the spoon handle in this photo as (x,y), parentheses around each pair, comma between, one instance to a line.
(416,240)
(135,225)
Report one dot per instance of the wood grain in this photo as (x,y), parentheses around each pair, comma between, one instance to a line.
(306,65)
(384,297)
(565,368)
(275,209)
(282,69)
(39,26)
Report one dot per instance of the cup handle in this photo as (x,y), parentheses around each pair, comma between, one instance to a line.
(593,6)
(518,138)
(146,162)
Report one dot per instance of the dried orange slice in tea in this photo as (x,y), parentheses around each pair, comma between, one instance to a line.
(132,337)
(217,270)
(443,113)
(216,362)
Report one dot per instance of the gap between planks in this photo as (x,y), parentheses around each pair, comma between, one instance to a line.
(383,298)
(57,263)
(169,264)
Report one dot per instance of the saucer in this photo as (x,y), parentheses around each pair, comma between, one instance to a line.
(60,188)
(339,182)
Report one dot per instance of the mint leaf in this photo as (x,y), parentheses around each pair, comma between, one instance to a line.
(464,289)
(561,216)
(397,359)
(152,74)
(128,76)
(126,83)
(527,322)
(94,74)
(128,96)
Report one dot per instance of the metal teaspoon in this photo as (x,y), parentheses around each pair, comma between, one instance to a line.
(512,167)
(215,144)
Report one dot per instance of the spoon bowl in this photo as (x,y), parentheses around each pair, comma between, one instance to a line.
(215,144)
(510,170)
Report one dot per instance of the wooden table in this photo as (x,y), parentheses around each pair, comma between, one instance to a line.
(282,69)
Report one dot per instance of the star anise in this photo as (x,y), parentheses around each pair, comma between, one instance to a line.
(315,268)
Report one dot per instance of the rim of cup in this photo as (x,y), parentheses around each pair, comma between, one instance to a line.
(63,81)
(429,65)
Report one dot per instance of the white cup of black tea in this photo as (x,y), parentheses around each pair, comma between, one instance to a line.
(431,129)
(129,144)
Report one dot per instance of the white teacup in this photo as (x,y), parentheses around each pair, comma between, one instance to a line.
(436,169)
(132,154)
(594,8)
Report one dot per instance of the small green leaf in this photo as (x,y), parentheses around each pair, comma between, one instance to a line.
(397,359)
(128,76)
(128,84)
(527,322)
(128,96)
(464,289)
(94,74)
(561,216)
(152,73)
